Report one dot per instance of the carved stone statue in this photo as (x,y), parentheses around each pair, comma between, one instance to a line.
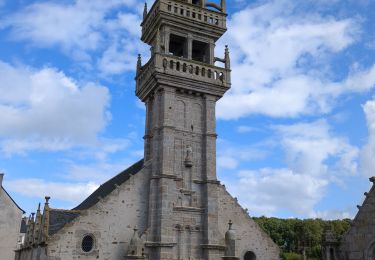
(189,156)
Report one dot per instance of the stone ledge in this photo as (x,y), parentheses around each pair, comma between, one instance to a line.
(207,182)
(214,247)
(159,244)
(189,209)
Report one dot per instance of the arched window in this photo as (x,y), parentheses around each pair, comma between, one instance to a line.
(249,256)
(87,243)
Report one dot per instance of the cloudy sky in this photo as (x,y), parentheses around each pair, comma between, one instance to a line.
(296,131)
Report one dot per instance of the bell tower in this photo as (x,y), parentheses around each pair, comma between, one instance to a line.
(180,86)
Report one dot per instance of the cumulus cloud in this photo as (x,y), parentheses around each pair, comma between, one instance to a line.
(83,30)
(45,109)
(313,149)
(368,151)
(37,188)
(230,155)
(281,61)
(315,157)
(268,190)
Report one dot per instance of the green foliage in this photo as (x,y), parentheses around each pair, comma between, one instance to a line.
(291,256)
(294,236)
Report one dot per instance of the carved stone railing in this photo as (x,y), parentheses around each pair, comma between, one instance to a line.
(181,67)
(186,10)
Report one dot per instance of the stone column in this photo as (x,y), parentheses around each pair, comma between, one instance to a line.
(167,34)
(212,53)
(190,46)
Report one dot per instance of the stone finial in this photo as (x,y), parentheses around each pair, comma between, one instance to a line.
(139,63)
(136,246)
(45,220)
(223,6)
(227,57)
(145,11)
(230,242)
(372,179)
(1,179)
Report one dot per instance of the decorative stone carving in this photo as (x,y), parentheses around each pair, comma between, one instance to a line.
(136,248)
(189,156)
(230,242)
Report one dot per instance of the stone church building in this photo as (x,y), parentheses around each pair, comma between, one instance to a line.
(10,223)
(170,205)
(358,243)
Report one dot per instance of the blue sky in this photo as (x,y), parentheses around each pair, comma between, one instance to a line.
(296,131)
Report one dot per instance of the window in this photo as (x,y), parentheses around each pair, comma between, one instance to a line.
(196,2)
(87,243)
(200,51)
(178,46)
(249,256)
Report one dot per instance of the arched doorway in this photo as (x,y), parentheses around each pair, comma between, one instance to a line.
(250,256)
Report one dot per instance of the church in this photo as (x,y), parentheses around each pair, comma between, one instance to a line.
(169,205)
(358,243)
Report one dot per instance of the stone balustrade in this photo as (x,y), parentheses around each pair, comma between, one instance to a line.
(182,67)
(186,10)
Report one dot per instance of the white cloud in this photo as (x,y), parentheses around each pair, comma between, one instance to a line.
(245,129)
(99,172)
(37,188)
(313,149)
(45,109)
(315,157)
(227,162)
(231,155)
(268,190)
(281,61)
(368,151)
(83,30)
(361,79)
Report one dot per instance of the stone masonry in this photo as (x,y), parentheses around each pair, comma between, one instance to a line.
(10,224)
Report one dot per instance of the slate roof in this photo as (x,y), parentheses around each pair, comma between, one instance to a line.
(59,218)
(109,186)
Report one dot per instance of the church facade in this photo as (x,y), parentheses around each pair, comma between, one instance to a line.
(170,205)
(358,243)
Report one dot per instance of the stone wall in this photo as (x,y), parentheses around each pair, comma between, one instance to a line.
(250,237)
(359,242)
(10,222)
(110,221)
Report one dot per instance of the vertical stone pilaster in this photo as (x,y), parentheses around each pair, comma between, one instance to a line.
(210,137)
(167,35)
(189,46)
(212,53)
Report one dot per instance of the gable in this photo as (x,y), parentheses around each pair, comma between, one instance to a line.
(110,186)
(11,200)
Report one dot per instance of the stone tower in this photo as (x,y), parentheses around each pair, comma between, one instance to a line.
(180,86)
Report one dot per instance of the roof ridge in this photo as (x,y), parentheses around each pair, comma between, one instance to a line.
(15,203)
(106,188)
